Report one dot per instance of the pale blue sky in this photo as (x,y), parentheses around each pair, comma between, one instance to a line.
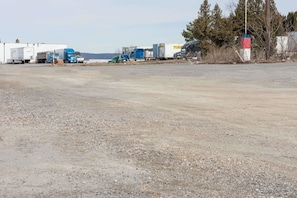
(104,25)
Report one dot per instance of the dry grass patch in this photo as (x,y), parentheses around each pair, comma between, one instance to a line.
(224,56)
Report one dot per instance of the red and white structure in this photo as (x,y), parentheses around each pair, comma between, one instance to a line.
(245,47)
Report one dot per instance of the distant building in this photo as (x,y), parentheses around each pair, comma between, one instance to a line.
(282,44)
(287,45)
(292,41)
(6,49)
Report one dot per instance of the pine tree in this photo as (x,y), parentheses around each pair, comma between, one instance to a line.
(222,32)
(202,28)
(277,29)
(290,23)
(188,33)
(237,18)
(217,26)
(213,30)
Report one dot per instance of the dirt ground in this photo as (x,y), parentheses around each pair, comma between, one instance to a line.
(170,130)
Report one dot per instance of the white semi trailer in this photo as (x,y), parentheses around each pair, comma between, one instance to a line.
(167,51)
(22,55)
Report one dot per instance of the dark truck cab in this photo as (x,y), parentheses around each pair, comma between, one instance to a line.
(189,50)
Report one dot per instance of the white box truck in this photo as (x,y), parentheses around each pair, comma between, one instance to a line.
(22,55)
(167,51)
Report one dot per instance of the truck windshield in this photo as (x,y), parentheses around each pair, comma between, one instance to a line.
(71,54)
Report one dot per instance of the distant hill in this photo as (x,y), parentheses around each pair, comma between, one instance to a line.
(89,56)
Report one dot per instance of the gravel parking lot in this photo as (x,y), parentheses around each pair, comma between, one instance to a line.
(170,130)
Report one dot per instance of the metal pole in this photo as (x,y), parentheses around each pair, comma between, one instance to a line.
(4,47)
(53,57)
(268,20)
(245,29)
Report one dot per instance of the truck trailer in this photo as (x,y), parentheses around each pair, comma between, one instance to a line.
(47,57)
(148,54)
(67,55)
(155,51)
(167,51)
(21,55)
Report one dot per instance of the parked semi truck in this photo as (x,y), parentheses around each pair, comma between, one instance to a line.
(67,55)
(190,49)
(22,55)
(137,53)
(47,57)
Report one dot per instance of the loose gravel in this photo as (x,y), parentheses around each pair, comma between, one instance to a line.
(146,134)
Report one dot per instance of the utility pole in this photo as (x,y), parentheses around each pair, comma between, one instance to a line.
(245,18)
(268,20)
(245,41)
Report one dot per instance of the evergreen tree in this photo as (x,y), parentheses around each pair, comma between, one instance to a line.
(188,33)
(277,29)
(213,30)
(290,23)
(202,28)
(222,33)
(237,18)
(217,26)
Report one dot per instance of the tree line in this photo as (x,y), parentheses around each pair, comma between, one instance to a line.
(214,31)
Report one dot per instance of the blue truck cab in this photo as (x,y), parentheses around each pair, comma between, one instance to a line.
(137,54)
(69,55)
(52,57)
